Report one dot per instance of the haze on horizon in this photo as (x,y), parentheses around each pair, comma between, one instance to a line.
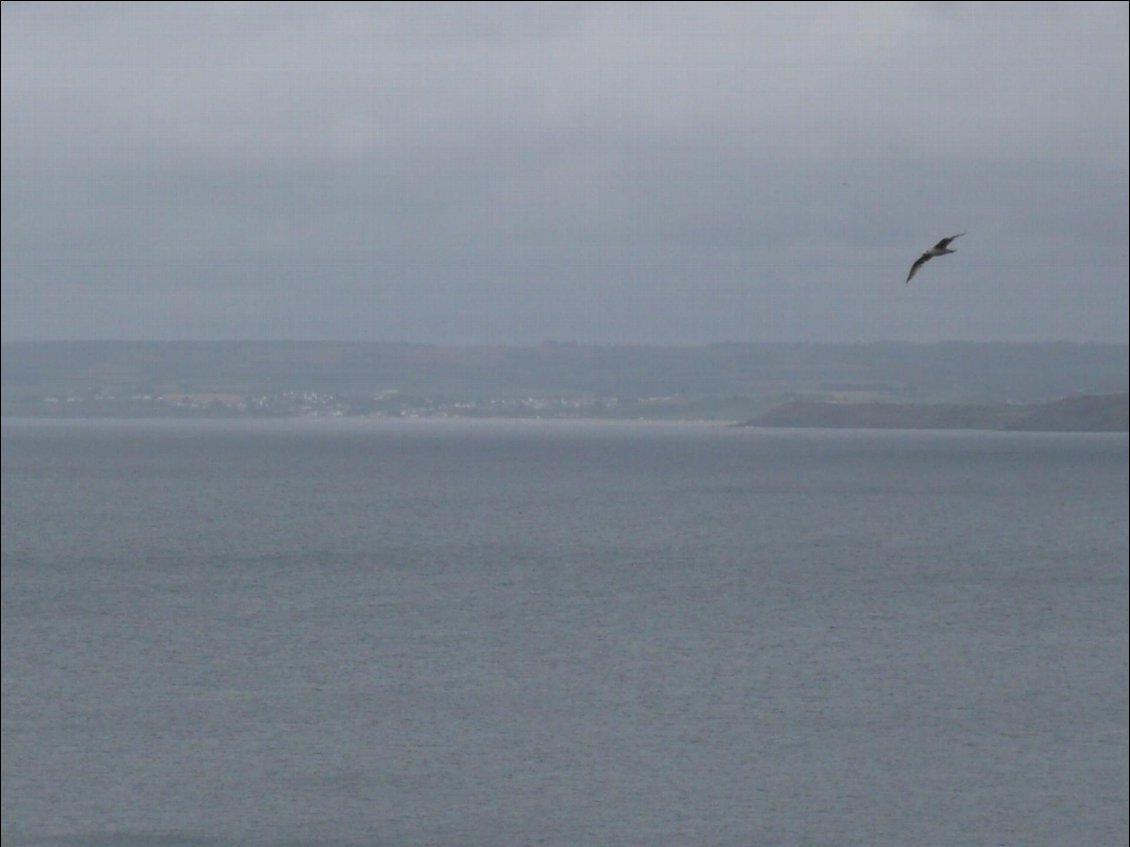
(505,173)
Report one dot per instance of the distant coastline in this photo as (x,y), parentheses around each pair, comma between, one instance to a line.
(1089,413)
(948,385)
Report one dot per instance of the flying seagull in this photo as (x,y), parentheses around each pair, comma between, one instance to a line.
(939,249)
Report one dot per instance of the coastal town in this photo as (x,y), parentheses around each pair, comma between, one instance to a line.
(885,386)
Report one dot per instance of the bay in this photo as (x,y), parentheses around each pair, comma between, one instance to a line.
(351,632)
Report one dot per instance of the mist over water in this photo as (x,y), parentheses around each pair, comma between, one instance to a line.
(461,633)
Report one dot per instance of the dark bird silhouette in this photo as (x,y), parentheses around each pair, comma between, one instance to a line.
(939,249)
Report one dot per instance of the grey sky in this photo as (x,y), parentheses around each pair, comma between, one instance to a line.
(609,173)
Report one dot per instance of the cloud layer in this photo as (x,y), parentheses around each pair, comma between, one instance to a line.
(616,173)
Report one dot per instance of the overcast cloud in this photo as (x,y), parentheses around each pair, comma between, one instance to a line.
(606,173)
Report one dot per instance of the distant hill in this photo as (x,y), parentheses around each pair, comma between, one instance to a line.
(729,381)
(1105,413)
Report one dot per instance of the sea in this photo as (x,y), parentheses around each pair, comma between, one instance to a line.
(454,633)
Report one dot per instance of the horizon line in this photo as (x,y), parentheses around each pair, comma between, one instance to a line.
(556,342)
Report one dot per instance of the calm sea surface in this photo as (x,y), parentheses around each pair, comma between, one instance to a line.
(458,633)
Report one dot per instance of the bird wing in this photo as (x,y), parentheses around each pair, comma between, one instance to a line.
(945,242)
(923,259)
